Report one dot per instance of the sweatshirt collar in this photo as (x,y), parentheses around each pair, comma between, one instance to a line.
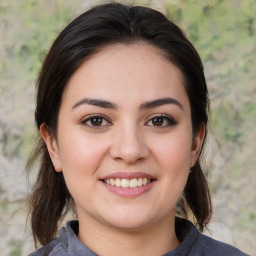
(74,247)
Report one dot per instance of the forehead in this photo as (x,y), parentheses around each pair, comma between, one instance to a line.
(135,72)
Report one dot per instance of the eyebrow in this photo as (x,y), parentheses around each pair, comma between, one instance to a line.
(160,102)
(96,102)
(144,106)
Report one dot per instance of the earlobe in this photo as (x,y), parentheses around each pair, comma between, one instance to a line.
(52,147)
(197,144)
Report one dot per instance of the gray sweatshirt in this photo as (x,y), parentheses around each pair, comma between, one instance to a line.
(194,244)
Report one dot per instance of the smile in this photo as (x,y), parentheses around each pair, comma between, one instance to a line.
(128,183)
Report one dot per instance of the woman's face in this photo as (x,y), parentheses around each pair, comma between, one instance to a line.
(124,138)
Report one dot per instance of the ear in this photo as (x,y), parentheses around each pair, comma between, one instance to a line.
(197,144)
(52,147)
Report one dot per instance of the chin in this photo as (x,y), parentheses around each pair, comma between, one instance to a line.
(130,226)
(130,221)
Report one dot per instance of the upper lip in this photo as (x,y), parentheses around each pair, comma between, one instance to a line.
(128,175)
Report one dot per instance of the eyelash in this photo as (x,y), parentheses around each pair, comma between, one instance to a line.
(167,120)
(94,116)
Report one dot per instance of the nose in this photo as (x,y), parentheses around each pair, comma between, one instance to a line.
(129,145)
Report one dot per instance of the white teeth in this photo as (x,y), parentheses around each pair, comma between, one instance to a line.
(126,183)
(133,183)
(118,183)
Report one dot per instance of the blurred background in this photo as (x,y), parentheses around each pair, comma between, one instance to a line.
(223,32)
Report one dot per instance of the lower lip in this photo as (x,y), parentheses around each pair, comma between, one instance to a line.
(129,192)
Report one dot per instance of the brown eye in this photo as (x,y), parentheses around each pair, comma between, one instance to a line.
(96,121)
(161,121)
(157,121)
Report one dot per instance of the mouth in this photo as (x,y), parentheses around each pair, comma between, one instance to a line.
(128,183)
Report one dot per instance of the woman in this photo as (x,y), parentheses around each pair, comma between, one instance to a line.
(122,113)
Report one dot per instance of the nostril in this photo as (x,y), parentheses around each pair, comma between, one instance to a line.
(129,152)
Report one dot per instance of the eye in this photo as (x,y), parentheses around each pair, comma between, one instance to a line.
(161,121)
(96,121)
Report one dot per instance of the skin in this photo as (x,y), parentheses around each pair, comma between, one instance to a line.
(127,140)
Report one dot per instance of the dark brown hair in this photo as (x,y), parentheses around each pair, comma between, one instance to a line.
(100,26)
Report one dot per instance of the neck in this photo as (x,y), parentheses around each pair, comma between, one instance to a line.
(106,240)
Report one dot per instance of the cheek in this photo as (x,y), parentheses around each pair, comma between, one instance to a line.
(174,162)
(80,162)
(174,155)
(80,157)
(82,154)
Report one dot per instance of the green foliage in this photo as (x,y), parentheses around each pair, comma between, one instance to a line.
(246,218)
(27,139)
(227,122)
(41,27)
(224,33)
(212,25)
(29,28)
(15,248)
(33,29)
(249,112)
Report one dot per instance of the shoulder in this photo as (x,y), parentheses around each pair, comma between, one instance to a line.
(59,246)
(209,246)
(53,248)
(66,245)
(193,243)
